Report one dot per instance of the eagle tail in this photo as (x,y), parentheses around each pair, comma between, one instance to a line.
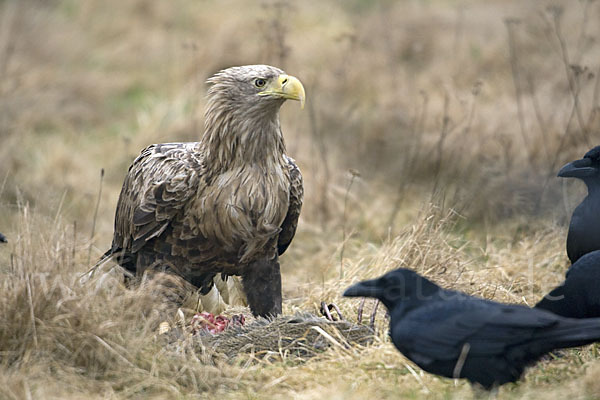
(119,256)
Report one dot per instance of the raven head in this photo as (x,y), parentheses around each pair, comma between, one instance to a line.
(586,168)
(394,287)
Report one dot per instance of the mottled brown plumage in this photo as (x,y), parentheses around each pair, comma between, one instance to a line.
(227,204)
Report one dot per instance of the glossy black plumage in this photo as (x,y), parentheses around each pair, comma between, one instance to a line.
(584,228)
(3,238)
(455,335)
(579,295)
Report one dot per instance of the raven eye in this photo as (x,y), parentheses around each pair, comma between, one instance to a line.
(260,82)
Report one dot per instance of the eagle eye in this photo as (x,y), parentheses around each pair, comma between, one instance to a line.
(259,82)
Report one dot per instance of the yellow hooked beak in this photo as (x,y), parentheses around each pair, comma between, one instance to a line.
(287,87)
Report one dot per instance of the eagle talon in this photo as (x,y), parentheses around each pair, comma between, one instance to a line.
(325,310)
(337,310)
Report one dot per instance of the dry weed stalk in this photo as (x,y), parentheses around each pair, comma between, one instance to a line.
(353,174)
(511,23)
(95,218)
(574,87)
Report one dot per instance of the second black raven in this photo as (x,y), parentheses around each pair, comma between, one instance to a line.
(3,238)
(578,295)
(584,228)
(455,335)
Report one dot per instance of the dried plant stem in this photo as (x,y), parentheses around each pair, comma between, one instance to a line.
(464,140)
(417,377)
(321,147)
(459,28)
(510,23)
(595,98)
(552,165)
(353,174)
(584,23)
(95,217)
(440,146)
(113,351)
(31,311)
(411,159)
(74,243)
(461,360)
(6,32)
(276,31)
(538,115)
(571,77)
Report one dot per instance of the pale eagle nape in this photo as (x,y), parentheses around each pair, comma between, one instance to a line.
(228,204)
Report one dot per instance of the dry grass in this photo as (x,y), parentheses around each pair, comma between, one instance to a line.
(455,114)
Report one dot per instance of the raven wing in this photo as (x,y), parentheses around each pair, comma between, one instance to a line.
(577,296)
(438,331)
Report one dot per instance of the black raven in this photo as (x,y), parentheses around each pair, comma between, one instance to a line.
(578,295)
(3,238)
(455,335)
(584,229)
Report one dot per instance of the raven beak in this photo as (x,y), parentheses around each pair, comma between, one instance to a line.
(365,289)
(287,87)
(578,169)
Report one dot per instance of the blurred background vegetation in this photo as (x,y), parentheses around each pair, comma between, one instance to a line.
(462,108)
(473,105)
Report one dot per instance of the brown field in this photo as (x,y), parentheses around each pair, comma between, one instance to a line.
(431,139)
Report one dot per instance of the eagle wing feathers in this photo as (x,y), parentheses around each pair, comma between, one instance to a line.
(290,223)
(156,189)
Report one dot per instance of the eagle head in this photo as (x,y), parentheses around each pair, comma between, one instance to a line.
(254,88)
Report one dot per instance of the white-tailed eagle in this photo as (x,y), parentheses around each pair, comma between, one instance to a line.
(228,204)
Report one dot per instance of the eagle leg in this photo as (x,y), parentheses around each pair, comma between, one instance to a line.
(262,283)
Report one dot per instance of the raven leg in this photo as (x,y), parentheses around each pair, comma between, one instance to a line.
(361,307)
(262,284)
